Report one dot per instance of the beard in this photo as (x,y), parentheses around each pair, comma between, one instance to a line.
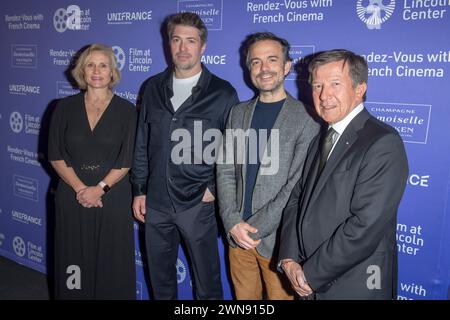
(185,64)
(276,85)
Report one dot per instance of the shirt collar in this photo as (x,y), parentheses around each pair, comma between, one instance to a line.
(340,126)
(194,78)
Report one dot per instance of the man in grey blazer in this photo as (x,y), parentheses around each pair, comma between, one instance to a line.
(264,150)
(338,232)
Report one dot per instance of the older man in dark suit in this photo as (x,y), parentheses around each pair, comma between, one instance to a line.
(338,233)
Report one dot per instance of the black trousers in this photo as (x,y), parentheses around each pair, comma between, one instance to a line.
(198,229)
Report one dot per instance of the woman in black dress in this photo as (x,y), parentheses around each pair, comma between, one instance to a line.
(91,146)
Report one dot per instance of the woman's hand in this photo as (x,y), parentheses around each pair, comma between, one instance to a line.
(90,197)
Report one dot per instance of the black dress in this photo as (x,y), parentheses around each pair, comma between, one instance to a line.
(94,247)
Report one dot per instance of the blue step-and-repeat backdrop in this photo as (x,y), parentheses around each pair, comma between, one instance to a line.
(406,43)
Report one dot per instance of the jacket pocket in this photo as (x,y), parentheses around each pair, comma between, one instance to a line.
(195,119)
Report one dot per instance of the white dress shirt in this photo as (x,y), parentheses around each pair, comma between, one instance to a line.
(340,126)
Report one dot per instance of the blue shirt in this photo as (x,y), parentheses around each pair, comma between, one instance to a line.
(264,118)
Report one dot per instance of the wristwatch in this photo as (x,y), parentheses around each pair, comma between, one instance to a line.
(104,186)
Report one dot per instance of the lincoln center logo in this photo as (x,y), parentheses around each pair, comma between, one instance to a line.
(72,18)
(16,122)
(120,56)
(69,18)
(181,271)
(375,13)
(19,246)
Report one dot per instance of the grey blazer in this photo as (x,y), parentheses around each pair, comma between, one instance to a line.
(274,182)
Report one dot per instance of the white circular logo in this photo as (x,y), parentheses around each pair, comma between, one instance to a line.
(373,13)
(16,122)
(19,246)
(181,271)
(60,20)
(120,56)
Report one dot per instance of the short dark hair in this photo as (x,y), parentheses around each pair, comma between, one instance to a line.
(261,36)
(189,19)
(357,65)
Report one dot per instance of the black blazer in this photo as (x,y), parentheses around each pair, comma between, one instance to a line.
(343,230)
(172,187)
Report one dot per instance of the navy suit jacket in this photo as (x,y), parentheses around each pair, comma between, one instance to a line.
(342,227)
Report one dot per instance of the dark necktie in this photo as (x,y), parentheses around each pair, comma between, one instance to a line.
(327,144)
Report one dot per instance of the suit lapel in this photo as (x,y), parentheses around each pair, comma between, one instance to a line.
(248,114)
(283,115)
(245,125)
(348,138)
(311,167)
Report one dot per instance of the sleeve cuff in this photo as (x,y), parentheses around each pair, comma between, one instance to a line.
(139,189)
(280,263)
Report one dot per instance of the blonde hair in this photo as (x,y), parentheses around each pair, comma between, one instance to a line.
(78,71)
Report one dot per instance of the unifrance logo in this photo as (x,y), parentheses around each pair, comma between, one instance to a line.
(72,18)
(19,246)
(128,17)
(16,122)
(375,13)
(120,57)
(23,89)
(25,218)
(181,271)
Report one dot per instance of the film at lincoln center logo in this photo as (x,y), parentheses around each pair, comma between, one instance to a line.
(16,122)
(120,57)
(374,12)
(181,271)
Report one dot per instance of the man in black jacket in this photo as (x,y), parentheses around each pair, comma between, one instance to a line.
(173,183)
